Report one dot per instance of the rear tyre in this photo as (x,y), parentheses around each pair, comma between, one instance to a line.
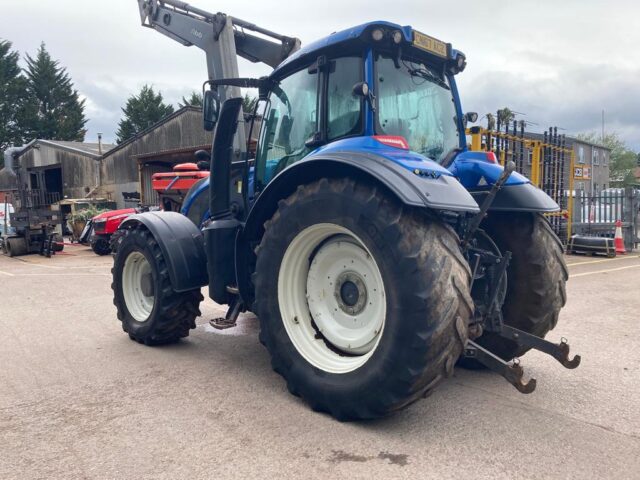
(363,304)
(100,246)
(150,310)
(537,276)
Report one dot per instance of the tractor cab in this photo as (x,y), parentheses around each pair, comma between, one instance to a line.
(378,87)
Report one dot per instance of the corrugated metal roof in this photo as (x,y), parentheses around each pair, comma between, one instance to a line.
(186,108)
(172,151)
(85,148)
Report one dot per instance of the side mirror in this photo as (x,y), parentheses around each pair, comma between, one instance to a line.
(210,109)
(361,89)
(203,155)
(471,117)
(204,160)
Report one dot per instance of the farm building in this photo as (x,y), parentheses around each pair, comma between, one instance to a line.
(54,170)
(126,169)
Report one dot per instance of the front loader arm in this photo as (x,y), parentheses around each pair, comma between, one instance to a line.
(192,26)
(223,39)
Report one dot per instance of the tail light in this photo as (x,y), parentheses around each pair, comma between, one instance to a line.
(393,141)
(491,157)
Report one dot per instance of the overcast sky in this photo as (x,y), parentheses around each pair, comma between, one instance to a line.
(559,62)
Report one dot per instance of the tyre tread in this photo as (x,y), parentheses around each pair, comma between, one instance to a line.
(176,311)
(433,265)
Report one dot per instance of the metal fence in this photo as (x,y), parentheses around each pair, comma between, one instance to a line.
(546,161)
(596,215)
(36,199)
(605,207)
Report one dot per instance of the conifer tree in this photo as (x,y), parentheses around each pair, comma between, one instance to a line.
(13,86)
(54,109)
(141,111)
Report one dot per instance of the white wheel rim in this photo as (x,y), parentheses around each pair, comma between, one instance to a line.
(137,270)
(321,271)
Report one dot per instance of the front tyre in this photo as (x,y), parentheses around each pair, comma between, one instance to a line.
(100,246)
(116,239)
(150,310)
(363,304)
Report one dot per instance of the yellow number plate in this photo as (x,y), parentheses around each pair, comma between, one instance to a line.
(429,44)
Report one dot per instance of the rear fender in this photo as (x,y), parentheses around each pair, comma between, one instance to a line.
(430,190)
(182,246)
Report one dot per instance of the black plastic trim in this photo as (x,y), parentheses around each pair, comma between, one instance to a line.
(182,246)
(519,198)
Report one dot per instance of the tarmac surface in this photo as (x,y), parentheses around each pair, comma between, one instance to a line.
(78,399)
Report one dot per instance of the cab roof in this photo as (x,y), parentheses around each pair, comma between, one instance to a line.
(349,35)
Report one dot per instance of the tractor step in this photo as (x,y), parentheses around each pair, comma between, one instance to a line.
(222,323)
(229,320)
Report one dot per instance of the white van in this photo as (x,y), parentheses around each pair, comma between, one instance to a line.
(6,209)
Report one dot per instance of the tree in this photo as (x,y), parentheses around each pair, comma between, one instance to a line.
(141,111)
(622,160)
(249,103)
(53,108)
(195,100)
(505,116)
(13,87)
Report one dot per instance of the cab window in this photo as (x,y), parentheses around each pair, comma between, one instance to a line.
(291,118)
(343,107)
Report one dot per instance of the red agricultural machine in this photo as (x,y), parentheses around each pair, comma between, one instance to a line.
(172,188)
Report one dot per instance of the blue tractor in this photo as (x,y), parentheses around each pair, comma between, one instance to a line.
(375,249)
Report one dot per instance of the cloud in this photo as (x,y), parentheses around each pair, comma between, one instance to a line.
(559,62)
(571,97)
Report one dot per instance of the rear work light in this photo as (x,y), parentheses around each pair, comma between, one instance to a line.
(393,141)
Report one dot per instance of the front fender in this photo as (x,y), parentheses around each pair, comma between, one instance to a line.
(182,246)
(524,197)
